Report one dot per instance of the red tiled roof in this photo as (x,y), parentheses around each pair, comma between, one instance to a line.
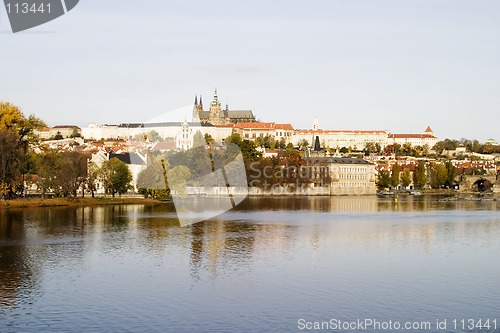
(284,127)
(428,129)
(411,136)
(320,131)
(167,145)
(255,125)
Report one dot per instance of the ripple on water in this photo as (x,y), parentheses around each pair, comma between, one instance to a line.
(256,270)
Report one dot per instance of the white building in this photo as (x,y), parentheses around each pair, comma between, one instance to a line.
(346,176)
(354,139)
(252,131)
(182,132)
(426,138)
(135,161)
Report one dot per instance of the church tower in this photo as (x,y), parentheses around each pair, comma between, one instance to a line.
(196,109)
(216,117)
(315,126)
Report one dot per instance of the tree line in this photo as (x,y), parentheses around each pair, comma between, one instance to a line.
(58,173)
(436,175)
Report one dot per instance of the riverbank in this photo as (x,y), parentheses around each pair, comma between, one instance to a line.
(74,202)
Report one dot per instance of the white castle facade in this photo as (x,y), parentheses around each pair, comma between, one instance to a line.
(220,123)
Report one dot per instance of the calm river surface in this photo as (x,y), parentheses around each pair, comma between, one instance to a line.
(270,265)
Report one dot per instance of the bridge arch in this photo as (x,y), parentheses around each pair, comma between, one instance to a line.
(482,185)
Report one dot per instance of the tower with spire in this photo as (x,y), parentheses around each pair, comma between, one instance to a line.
(218,116)
(315,125)
(196,109)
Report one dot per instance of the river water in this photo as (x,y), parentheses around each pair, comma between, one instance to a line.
(270,265)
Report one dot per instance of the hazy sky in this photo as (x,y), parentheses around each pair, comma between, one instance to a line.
(397,65)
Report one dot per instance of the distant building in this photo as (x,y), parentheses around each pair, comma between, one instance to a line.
(177,130)
(252,131)
(43,133)
(492,142)
(216,116)
(353,139)
(134,161)
(426,138)
(168,145)
(65,130)
(185,137)
(346,176)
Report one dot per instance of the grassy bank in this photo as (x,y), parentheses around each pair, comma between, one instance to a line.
(73,202)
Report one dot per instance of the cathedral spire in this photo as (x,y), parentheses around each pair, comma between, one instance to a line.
(196,110)
(201,103)
(216,98)
(315,126)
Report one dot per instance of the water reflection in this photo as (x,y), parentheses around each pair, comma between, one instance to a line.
(105,254)
(19,265)
(367,204)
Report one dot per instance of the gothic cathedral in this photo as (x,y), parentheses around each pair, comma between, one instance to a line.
(217,116)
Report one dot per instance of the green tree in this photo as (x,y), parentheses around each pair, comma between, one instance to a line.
(116,176)
(140,137)
(451,171)
(198,140)
(154,136)
(439,147)
(282,143)
(17,135)
(62,172)
(425,149)
(209,139)
(177,179)
(58,136)
(395,175)
(47,166)
(12,119)
(383,179)
(93,173)
(151,181)
(447,144)
(10,168)
(437,174)
(369,148)
(303,144)
(248,148)
(417,150)
(396,147)
(406,178)
(419,176)
(441,174)
(269,142)
(71,172)
(407,149)
(291,152)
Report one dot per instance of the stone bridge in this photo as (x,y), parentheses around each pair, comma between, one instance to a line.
(479,183)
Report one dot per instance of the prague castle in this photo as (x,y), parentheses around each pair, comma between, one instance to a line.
(216,116)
